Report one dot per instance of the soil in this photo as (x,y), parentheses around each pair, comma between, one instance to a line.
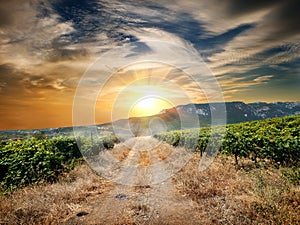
(144,200)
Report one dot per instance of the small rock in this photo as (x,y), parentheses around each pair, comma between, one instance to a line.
(121,196)
(82,214)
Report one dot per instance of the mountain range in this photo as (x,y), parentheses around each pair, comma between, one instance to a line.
(172,118)
(241,112)
(195,115)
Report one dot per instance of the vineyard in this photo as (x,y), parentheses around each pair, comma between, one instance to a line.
(34,160)
(274,140)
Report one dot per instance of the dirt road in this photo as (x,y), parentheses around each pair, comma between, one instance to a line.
(219,195)
(143,194)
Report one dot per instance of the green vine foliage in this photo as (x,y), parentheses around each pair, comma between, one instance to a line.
(276,140)
(35,160)
(32,161)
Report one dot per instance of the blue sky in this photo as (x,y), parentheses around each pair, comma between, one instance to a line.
(251,47)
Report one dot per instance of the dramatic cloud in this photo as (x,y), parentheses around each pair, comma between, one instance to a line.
(252,47)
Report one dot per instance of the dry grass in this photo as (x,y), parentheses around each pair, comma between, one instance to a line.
(227,196)
(222,195)
(278,200)
(51,203)
(163,151)
(144,158)
(120,152)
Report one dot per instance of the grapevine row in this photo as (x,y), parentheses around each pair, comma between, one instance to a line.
(276,140)
(25,162)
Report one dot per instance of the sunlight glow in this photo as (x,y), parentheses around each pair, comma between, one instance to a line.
(149,105)
(142,89)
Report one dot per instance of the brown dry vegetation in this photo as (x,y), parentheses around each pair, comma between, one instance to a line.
(229,196)
(52,203)
(120,152)
(163,152)
(144,158)
(220,195)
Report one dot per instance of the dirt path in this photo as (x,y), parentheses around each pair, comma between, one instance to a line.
(218,195)
(143,162)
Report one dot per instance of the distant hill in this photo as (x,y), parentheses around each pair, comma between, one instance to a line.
(242,112)
(169,119)
(236,112)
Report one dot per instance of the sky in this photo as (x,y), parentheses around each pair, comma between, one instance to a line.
(251,48)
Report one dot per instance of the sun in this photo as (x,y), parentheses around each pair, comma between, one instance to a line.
(149,105)
(139,90)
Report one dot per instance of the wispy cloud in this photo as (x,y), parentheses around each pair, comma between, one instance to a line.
(250,46)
